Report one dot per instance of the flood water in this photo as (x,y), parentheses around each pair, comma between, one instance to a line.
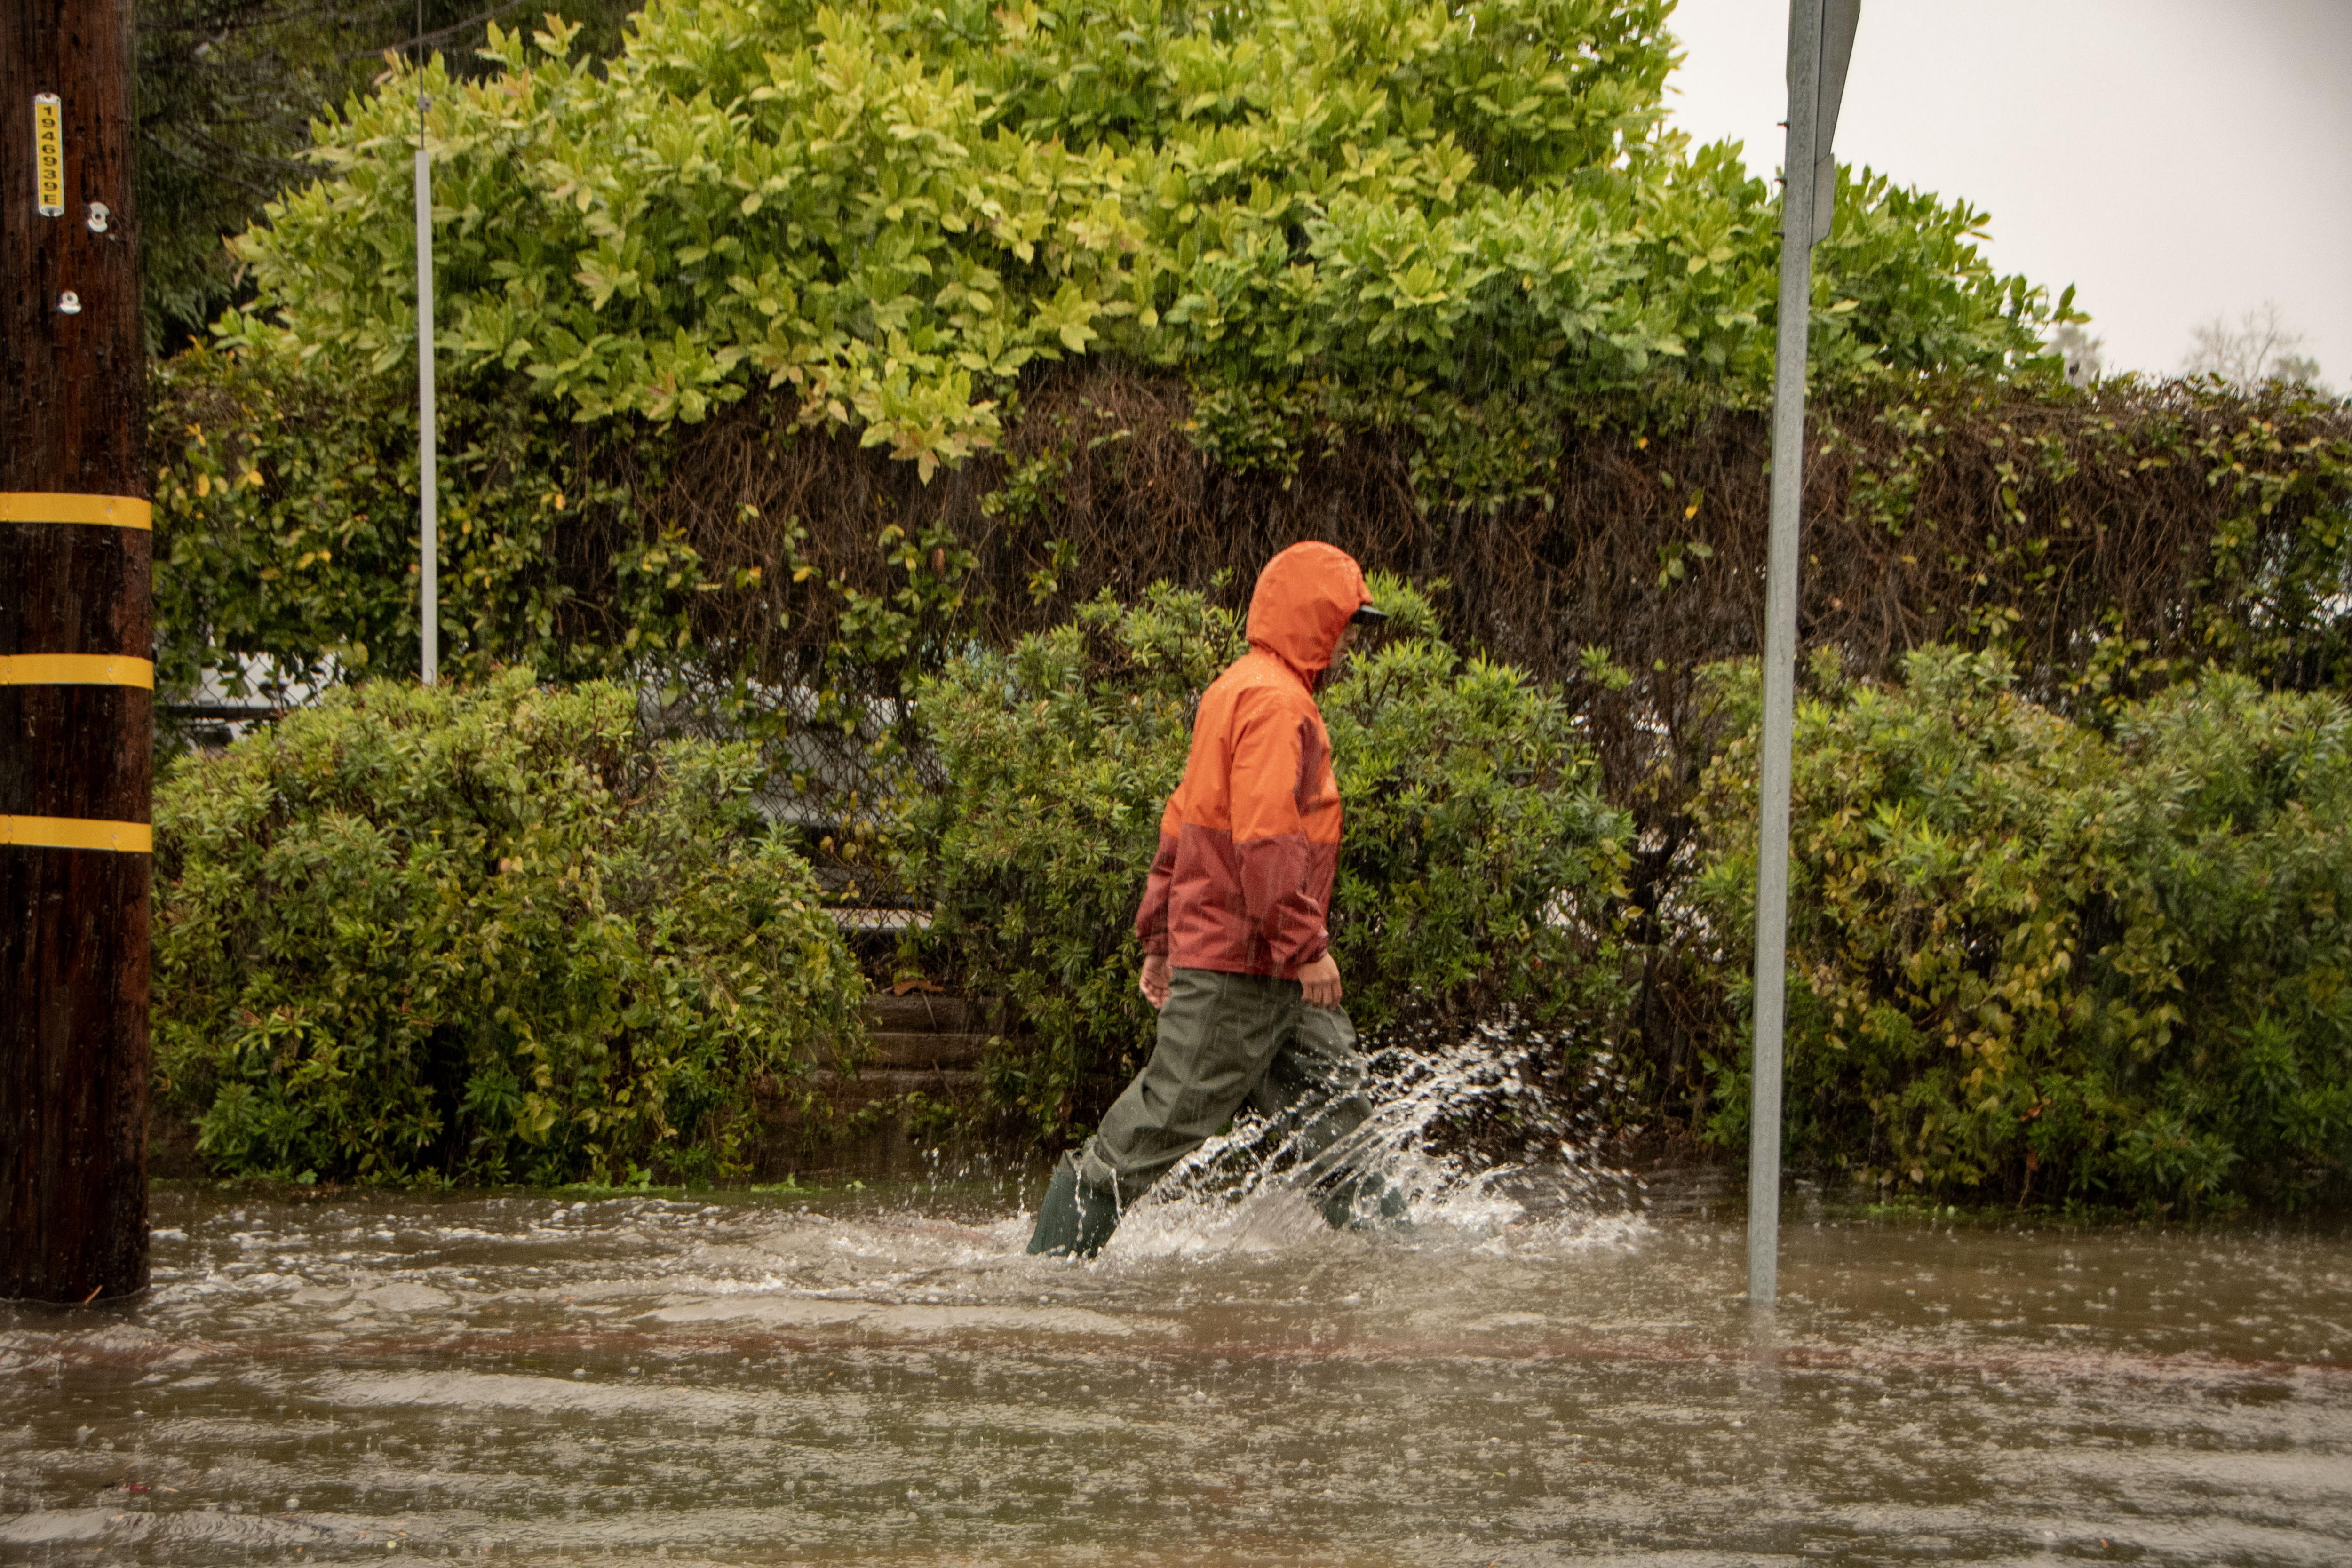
(880,1377)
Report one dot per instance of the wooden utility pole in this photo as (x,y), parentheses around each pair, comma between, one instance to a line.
(77,684)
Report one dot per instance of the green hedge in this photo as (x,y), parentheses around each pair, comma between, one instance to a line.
(489,934)
(894,211)
(287,520)
(1480,868)
(494,933)
(2033,958)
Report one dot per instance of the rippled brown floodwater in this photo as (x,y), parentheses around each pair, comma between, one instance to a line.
(881,1377)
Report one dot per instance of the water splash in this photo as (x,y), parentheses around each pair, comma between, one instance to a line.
(860,1377)
(1464,1144)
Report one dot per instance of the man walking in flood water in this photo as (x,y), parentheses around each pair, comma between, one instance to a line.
(1237,952)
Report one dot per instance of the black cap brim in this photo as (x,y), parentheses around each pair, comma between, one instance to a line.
(1367,615)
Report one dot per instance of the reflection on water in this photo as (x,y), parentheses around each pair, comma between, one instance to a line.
(884,1377)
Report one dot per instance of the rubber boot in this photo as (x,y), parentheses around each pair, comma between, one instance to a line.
(1074,1217)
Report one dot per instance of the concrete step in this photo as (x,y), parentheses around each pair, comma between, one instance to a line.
(848,1091)
(920,1011)
(923,1044)
(926,1052)
(921,1033)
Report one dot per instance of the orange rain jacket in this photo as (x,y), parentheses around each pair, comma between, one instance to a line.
(1250,841)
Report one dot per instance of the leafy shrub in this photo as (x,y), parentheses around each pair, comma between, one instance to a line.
(893,211)
(2020,945)
(1478,868)
(1481,862)
(286,527)
(487,933)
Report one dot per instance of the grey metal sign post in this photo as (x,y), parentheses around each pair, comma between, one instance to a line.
(1821,41)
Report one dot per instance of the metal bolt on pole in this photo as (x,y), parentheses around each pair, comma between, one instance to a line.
(1820,40)
(76,676)
(428,480)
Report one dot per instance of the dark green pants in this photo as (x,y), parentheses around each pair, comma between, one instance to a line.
(1227,1040)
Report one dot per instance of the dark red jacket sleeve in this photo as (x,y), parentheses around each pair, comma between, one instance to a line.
(1269,835)
(1151,915)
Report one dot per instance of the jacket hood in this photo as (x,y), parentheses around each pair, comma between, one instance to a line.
(1303,601)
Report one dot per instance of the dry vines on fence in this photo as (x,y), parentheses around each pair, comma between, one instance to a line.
(2104,539)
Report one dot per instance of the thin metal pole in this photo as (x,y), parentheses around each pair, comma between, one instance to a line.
(1781,655)
(428,482)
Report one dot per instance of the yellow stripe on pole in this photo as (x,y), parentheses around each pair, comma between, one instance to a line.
(45,506)
(77,669)
(77,832)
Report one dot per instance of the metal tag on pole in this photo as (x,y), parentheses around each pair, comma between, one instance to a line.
(428,484)
(1821,41)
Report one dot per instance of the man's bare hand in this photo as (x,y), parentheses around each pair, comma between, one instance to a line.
(1154,983)
(1320,982)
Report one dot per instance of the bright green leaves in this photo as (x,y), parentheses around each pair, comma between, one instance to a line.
(894,212)
(612,269)
(1066,316)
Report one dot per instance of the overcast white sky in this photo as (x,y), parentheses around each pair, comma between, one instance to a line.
(2176,160)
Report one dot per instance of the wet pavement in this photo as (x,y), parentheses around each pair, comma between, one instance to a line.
(1529,1375)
